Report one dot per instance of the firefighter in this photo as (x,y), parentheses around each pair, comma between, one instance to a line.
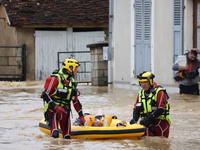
(152,107)
(59,90)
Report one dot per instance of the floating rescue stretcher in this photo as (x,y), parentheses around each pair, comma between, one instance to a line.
(114,130)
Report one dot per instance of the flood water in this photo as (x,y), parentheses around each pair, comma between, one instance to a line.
(21,109)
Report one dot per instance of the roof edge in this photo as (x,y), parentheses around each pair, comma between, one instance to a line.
(102,25)
(7,17)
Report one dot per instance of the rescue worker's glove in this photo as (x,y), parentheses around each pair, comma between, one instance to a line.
(82,120)
(59,109)
(133,121)
(146,121)
(136,115)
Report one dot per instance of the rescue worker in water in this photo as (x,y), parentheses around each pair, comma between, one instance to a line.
(59,90)
(152,106)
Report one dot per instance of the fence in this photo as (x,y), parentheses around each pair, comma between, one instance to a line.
(84,73)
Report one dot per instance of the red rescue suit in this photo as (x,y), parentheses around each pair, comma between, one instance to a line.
(59,113)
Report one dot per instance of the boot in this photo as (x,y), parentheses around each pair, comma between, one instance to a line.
(55,134)
(67,136)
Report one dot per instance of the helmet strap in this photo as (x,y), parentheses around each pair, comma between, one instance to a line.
(72,73)
(64,71)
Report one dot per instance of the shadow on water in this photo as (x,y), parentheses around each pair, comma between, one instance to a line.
(21,109)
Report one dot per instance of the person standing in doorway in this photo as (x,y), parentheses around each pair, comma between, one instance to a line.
(59,90)
(190,73)
(152,107)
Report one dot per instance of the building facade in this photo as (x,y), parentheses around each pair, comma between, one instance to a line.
(148,35)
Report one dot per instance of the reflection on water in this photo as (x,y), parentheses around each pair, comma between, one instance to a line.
(21,109)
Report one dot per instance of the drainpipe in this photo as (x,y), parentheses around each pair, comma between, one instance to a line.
(110,48)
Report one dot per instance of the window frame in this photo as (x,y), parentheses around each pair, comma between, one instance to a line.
(195,27)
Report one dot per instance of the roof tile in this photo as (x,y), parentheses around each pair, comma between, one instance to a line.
(56,12)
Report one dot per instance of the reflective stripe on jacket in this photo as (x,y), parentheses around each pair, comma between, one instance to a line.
(63,93)
(150,104)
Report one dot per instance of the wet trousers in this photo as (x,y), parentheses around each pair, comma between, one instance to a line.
(63,120)
(158,128)
(192,89)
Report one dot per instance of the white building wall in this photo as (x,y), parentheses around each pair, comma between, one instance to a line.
(122,43)
(162,41)
(162,38)
(161,44)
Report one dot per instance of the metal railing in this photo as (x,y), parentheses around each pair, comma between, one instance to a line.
(84,73)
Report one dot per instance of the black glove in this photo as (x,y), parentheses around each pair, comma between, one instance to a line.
(133,121)
(136,115)
(145,121)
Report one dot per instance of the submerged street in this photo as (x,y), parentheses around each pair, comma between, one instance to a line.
(21,109)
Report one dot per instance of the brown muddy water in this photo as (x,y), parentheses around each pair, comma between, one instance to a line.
(21,109)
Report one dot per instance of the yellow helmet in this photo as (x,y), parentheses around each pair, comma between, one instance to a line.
(146,76)
(106,120)
(89,120)
(68,63)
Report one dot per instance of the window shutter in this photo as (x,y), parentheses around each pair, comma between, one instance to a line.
(147,19)
(142,36)
(138,20)
(178,28)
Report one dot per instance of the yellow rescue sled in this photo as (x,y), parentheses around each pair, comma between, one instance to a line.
(114,130)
